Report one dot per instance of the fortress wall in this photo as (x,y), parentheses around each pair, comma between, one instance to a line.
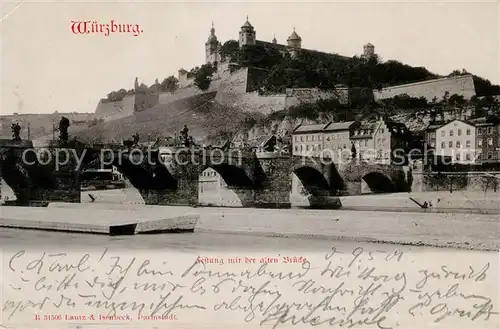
(184,81)
(233,91)
(232,88)
(255,76)
(253,102)
(186,92)
(297,96)
(462,85)
(112,109)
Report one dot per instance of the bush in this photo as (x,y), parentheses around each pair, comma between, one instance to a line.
(203,76)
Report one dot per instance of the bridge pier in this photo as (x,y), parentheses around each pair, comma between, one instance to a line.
(274,189)
(40,175)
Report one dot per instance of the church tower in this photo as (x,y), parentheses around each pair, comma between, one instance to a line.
(212,47)
(247,34)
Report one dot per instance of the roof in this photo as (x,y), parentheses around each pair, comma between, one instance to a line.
(398,126)
(262,140)
(309,128)
(465,122)
(294,36)
(368,127)
(247,25)
(485,121)
(335,126)
(369,45)
(431,127)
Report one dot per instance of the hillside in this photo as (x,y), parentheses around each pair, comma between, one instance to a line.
(205,119)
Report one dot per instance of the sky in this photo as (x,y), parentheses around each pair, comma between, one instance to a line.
(47,68)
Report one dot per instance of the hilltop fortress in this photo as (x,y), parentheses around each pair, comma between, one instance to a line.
(238,86)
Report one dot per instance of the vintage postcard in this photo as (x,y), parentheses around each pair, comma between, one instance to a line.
(250,164)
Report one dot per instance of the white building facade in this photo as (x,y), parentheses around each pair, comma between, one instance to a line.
(457,140)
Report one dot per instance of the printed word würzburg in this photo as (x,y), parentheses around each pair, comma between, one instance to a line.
(93,27)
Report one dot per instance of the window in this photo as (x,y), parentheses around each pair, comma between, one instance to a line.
(479,142)
(467,144)
(490,130)
(301,147)
(451,132)
(443,145)
(467,156)
(458,144)
(319,147)
(479,131)
(296,148)
(307,147)
(307,138)
(450,144)
(459,132)
(490,155)
(366,142)
(442,133)
(468,132)
(457,156)
(312,137)
(301,138)
(490,141)
(382,130)
(314,147)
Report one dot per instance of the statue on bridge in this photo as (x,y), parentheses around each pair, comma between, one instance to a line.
(135,138)
(63,129)
(353,151)
(16,132)
(185,137)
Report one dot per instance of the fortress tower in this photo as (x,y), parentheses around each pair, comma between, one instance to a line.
(212,47)
(247,34)
(368,50)
(294,41)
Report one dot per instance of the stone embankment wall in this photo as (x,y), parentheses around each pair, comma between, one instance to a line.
(461,85)
(466,181)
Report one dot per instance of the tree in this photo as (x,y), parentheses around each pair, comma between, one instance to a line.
(170,84)
(229,49)
(456,100)
(203,76)
(116,96)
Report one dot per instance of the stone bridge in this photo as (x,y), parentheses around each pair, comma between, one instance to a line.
(170,176)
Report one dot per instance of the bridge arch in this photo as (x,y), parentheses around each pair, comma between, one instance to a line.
(377,182)
(140,179)
(224,185)
(312,180)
